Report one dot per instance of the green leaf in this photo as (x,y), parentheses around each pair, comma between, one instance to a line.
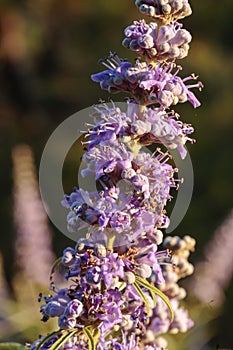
(91,339)
(46,338)
(96,336)
(12,346)
(66,336)
(154,298)
(140,292)
(156,291)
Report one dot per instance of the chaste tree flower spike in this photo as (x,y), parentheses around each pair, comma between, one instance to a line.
(122,289)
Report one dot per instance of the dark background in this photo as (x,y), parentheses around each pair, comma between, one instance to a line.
(48,50)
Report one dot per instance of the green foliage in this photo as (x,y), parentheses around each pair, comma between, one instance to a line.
(142,295)
(66,335)
(92,337)
(154,292)
(46,338)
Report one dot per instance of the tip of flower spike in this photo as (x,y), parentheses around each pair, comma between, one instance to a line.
(165,11)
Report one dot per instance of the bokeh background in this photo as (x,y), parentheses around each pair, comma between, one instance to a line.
(48,49)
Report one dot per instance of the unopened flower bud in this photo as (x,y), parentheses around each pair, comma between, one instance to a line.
(93,274)
(129,277)
(144,271)
(166,98)
(161,342)
(175,100)
(177,5)
(149,336)
(165,34)
(74,308)
(166,9)
(182,294)
(68,257)
(163,2)
(134,45)
(183,98)
(164,47)
(80,246)
(100,250)
(174,51)
(190,242)
(158,236)
(146,41)
(187,11)
(174,330)
(53,309)
(148,10)
(126,42)
(153,52)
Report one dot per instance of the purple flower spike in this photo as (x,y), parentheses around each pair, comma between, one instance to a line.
(122,290)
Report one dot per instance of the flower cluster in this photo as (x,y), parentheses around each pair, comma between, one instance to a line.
(165,10)
(104,286)
(161,43)
(159,323)
(135,187)
(146,84)
(122,291)
(150,126)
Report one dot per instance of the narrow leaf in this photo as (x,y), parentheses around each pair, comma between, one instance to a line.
(91,340)
(12,346)
(154,298)
(142,295)
(156,291)
(96,336)
(64,338)
(46,338)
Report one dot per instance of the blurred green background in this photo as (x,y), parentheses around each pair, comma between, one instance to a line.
(48,49)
